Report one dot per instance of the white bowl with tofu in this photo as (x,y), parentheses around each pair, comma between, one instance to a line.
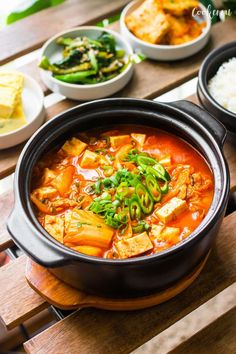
(21,108)
(134,15)
(86,92)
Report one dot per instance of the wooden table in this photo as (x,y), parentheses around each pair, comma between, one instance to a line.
(90,330)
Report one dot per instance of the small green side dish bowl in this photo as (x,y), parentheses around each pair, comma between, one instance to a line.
(85,92)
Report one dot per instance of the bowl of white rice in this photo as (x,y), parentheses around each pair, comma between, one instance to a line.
(217,84)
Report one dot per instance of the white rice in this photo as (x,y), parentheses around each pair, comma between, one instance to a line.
(223,85)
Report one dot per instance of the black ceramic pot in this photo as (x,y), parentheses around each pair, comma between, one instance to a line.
(209,69)
(137,276)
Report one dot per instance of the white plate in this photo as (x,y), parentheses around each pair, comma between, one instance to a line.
(32,98)
(165,52)
(85,92)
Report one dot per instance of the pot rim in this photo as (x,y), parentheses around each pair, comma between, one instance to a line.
(71,255)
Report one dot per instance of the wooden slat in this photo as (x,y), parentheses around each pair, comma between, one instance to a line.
(150,80)
(29,34)
(18,301)
(219,337)
(6,203)
(10,339)
(94,331)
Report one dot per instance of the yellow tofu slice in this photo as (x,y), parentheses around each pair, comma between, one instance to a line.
(13,79)
(74,147)
(139,138)
(16,120)
(119,140)
(54,225)
(171,209)
(45,192)
(8,100)
(134,246)
(90,159)
(167,234)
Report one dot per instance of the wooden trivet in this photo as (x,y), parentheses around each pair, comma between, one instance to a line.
(66,297)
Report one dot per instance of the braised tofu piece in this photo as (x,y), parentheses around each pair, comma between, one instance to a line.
(54,225)
(180,7)
(119,140)
(139,138)
(148,22)
(167,234)
(156,230)
(171,209)
(45,192)
(89,250)
(134,246)
(90,159)
(74,147)
(165,161)
(48,176)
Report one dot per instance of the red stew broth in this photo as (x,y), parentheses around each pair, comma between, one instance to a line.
(158,144)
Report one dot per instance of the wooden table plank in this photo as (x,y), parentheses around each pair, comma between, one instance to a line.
(6,204)
(219,337)
(168,75)
(150,80)
(96,331)
(29,33)
(18,301)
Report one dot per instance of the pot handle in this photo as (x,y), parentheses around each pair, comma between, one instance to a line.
(34,245)
(205,118)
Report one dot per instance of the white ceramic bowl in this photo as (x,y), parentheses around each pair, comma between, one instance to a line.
(85,92)
(165,52)
(32,99)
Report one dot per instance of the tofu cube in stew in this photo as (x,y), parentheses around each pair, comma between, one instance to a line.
(89,250)
(90,159)
(48,176)
(171,209)
(167,234)
(54,225)
(45,192)
(165,161)
(119,140)
(74,147)
(139,138)
(134,246)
